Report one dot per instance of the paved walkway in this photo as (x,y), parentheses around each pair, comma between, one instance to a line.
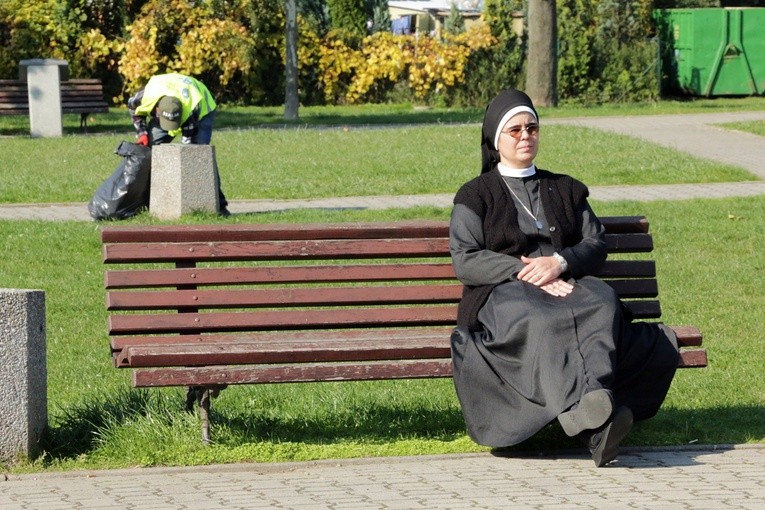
(696,134)
(79,211)
(680,478)
(686,477)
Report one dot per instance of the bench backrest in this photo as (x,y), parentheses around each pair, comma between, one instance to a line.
(192,280)
(78,95)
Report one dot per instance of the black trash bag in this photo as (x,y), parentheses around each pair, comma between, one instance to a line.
(126,192)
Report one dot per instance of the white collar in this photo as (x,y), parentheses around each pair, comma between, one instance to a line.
(506,171)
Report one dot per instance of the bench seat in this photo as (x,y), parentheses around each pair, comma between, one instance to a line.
(207,306)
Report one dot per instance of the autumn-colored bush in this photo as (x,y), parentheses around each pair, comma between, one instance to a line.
(426,64)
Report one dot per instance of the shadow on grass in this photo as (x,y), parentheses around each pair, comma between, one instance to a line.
(85,426)
(378,423)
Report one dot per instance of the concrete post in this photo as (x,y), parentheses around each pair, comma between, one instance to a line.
(43,77)
(184,179)
(23,373)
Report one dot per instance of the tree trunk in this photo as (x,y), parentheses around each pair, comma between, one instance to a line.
(291,99)
(542,67)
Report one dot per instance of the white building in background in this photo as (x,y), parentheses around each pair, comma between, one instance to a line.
(428,16)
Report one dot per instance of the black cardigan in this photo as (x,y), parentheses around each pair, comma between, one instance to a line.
(487,195)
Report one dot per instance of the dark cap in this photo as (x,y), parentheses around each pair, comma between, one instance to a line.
(169,111)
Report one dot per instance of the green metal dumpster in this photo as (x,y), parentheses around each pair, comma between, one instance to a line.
(713,52)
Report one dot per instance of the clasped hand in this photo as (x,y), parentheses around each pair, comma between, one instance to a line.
(544,272)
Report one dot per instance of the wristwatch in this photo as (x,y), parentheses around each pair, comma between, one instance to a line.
(563,263)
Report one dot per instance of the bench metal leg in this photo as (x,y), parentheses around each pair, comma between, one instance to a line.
(202,396)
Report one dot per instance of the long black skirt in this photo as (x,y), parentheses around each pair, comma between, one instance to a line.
(538,354)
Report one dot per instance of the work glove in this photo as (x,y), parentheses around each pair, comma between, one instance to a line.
(143,140)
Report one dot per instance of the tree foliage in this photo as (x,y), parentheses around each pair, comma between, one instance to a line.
(454,23)
(381,21)
(427,65)
(41,29)
(606,49)
(235,46)
(498,14)
(347,18)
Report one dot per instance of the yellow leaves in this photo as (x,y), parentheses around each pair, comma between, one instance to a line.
(426,63)
(214,44)
(94,48)
(202,42)
(188,37)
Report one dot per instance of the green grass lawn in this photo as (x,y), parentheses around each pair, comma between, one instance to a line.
(98,421)
(311,163)
(431,151)
(754,127)
(117,121)
(707,251)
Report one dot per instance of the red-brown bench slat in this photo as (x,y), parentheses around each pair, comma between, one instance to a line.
(282,319)
(199,276)
(692,358)
(284,297)
(307,319)
(688,336)
(124,279)
(308,231)
(287,351)
(319,296)
(118,343)
(287,232)
(276,250)
(305,372)
(313,249)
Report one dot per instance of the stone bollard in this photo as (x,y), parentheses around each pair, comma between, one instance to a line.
(23,373)
(43,77)
(184,179)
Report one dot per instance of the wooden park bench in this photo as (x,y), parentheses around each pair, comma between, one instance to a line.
(209,306)
(83,96)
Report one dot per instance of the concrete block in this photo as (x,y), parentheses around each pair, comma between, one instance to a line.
(184,179)
(23,373)
(43,78)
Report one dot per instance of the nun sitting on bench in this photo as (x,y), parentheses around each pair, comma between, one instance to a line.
(539,339)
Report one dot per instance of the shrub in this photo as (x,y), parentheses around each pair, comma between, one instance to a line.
(427,65)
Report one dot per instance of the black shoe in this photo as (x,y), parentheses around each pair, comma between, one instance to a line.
(604,444)
(224,212)
(592,411)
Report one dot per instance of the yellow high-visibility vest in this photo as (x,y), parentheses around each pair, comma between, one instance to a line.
(190,91)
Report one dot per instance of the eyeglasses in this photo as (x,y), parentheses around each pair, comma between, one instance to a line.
(515,131)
